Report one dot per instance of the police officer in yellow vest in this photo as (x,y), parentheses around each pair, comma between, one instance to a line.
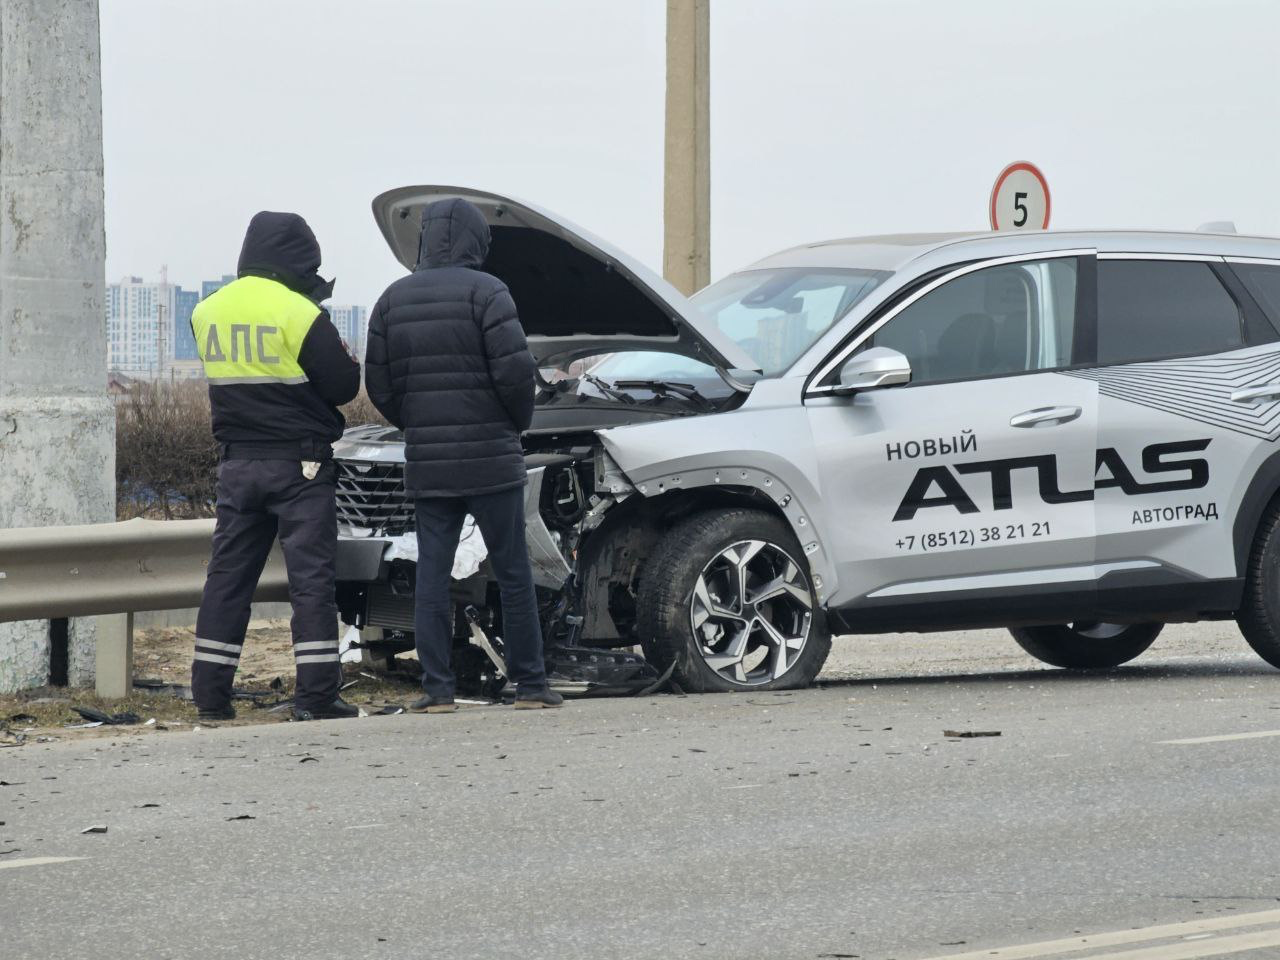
(277,373)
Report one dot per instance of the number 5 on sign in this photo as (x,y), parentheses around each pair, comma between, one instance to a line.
(1020,198)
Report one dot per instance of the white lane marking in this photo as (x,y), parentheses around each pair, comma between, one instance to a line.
(36,861)
(1215,947)
(1226,736)
(1049,948)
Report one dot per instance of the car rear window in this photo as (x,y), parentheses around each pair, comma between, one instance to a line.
(1151,309)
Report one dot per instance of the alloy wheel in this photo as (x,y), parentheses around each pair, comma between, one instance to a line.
(751,612)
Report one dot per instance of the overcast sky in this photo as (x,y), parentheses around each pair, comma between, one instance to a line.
(829,118)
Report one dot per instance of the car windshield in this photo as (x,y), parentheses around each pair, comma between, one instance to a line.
(774,315)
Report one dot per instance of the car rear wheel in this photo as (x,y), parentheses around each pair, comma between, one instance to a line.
(1259,614)
(727,597)
(1087,645)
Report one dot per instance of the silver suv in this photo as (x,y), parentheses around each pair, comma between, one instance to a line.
(1072,435)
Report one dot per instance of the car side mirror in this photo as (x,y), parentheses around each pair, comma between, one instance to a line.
(870,369)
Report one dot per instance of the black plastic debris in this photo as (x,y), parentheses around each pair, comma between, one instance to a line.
(967,734)
(96,828)
(110,719)
(22,718)
(243,816)
(309,759)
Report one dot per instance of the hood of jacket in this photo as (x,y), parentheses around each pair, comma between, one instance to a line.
(281,246)
(454,234)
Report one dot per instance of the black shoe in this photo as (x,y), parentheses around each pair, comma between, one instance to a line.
(430,704)
(338,710)
(538,699)
(214,714)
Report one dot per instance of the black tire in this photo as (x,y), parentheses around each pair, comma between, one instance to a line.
(1087,646)
(1259,614)
(694,549)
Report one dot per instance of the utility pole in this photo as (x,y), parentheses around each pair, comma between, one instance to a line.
(57,424)
(162,311)
(686,250)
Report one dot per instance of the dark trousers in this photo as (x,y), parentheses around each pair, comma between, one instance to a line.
(258,499)
(500,517)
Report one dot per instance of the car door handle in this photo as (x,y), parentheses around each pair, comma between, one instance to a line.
(1263,391)
(1045,417)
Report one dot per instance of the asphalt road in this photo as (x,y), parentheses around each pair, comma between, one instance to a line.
(833,822)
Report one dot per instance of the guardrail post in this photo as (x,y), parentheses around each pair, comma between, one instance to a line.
(114,669)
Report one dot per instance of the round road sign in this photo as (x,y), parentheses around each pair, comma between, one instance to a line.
(1020,198)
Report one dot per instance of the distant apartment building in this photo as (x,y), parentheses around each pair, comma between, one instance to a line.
(352,323)
(184,340)
(209,286)
(140,340)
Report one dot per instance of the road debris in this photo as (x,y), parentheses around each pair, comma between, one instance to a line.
(243,816)
(967,734)
(96,828)
(111,719)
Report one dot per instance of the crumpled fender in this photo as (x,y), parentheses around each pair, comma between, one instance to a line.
(769,451)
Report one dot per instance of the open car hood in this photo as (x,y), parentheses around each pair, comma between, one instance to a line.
(577,295)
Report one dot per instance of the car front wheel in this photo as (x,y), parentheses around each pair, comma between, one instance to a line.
(1087,645)
(727,597)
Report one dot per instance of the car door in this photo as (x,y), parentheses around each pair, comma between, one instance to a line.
(965,496)
(1187,371)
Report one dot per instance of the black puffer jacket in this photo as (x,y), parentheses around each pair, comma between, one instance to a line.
(448,364)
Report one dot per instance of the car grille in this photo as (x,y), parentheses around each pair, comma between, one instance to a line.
(371,496)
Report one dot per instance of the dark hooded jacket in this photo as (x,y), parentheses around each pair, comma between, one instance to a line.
(284,414)
(447,362)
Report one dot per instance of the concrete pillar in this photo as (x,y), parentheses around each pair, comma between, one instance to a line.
(115,655)
(686,250)
(57,424)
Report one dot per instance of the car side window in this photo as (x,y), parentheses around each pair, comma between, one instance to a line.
(1154,309)
(1262,280)
(1012,318)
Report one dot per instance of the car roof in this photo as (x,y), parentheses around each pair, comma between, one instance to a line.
(892,252)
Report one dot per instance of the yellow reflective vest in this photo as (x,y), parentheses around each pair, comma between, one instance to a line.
(251,331)
(277,369)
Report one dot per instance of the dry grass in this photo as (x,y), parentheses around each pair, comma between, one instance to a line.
(361,411)
(166,457)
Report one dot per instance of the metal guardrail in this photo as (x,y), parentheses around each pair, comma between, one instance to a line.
(113,569)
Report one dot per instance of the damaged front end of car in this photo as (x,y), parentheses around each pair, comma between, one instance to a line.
(585,590)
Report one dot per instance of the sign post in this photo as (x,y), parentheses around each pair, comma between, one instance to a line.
(1020,198)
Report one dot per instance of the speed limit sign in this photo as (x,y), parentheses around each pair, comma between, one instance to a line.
(1020,198)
